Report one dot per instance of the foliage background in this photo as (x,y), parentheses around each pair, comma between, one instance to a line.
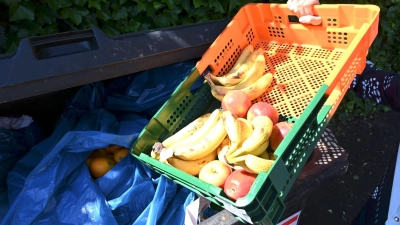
(23,18)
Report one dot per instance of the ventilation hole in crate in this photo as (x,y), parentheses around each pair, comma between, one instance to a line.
(278,19)
(279,60)
(269,46)
(330,65)
(316,78)
(299,104)
(307,65)
(231,61)
(273,96)
(295,88)
(284,48)
(250,36)
(276,32)
(286,73)
(332,22)
(282,108)
(337,37)
(302,51)
(321,53)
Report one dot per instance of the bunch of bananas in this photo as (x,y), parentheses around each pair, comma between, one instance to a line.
(247,74)
(218,135)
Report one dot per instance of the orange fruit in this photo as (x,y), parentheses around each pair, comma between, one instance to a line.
(89,161)
(120,154)
(101,152)
(100,166)
(113,148)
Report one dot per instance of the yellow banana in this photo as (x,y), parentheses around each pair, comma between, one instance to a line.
(203,147)
(257,164)
(242,166)
(260,149)
(202,132)
(255,90)
(223,144)
(222,153)
(262,130)
(246,128)
(192,167)
(264,155)
(155,155)
(232,128)
(186,131)
(238,71)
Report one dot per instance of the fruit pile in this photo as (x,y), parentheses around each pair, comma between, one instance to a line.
(100,161)
(231,145)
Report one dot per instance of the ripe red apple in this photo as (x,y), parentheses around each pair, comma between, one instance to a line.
(263,109)
(215,172)
(238,102)
(279,131)
(238,184)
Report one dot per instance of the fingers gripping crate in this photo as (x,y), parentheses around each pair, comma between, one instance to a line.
(312,67)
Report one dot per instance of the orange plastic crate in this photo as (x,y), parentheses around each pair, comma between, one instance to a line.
(301,57)
(312,66)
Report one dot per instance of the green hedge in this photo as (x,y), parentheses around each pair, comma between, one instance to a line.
(22,18)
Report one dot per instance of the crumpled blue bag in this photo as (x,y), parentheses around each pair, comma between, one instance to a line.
(52,183)
(149,89)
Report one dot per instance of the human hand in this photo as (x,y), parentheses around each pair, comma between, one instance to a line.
(303,10)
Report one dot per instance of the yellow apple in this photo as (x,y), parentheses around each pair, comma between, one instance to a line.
(215,172)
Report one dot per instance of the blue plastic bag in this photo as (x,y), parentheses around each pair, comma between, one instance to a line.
(52,183)
(148,90)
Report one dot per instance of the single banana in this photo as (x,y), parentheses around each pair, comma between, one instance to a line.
(255,90)
(186,131)
(241,165)
(238,71)
(192,167)
(222,153)
(155,155)
(260,149)
(232,128)
(257,164)
(202,132)
(262,130)
(264,155)
(223,144)
(203,147)
(246,128)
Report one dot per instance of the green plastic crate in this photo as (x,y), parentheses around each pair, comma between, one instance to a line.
(326,69)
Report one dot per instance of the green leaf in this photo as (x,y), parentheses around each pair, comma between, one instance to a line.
(169,3)
(80,2)
(233,4)
(58,4)
(74,14)
(104,13)
(12,44)
(22,11)
(217,6)
(161,20)
(109,29)
(141,7)
(122,13)
(185,5)
(95,4)
(134,25)
(45,15)
(157,5)
(122,1)
(198,3)
(11,2)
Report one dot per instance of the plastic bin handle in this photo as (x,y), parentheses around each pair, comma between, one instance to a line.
(57,45)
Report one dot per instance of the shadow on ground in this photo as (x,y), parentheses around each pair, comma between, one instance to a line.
(370,144)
